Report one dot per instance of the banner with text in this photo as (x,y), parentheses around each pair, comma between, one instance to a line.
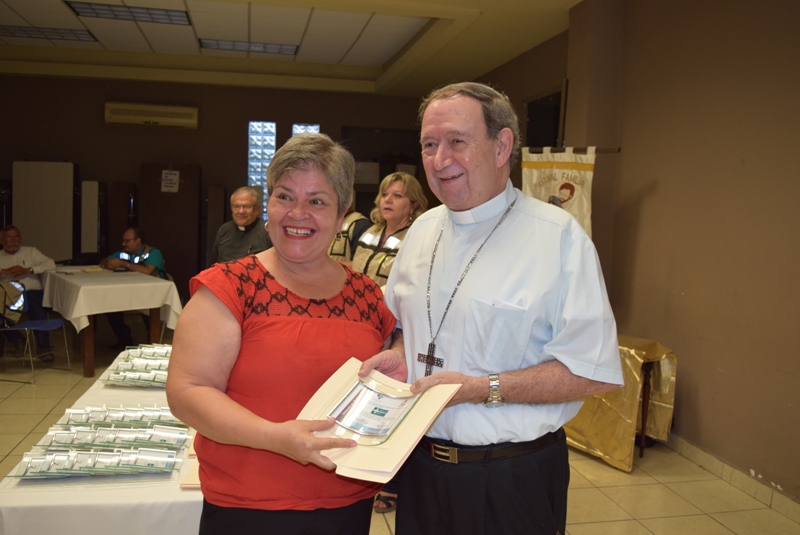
(563,179)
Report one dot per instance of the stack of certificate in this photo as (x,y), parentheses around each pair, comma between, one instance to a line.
(107,441)
(145,365)
(89,462)
(60,437)
(130,416)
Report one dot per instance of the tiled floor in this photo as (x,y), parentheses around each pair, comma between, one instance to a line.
(665,494)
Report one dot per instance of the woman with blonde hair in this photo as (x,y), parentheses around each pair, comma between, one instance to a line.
(400,200)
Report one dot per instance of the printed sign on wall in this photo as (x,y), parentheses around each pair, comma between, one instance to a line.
(170,181)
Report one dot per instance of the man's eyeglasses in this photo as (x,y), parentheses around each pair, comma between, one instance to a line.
(237,207)
(129,239)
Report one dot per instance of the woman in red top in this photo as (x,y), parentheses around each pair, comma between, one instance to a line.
(258,338)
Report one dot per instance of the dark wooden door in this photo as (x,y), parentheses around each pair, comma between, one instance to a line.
(169,216)
(217,206)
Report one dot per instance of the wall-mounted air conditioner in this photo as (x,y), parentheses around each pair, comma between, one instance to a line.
(149,114)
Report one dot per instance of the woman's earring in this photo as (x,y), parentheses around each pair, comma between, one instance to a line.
(266,226)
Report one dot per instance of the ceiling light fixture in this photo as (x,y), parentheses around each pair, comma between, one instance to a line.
(61,34)
(244,46)
(138,14)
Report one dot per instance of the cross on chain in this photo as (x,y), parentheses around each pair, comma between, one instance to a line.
(429,360)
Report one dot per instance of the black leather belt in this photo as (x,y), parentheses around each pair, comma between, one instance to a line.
(450,452)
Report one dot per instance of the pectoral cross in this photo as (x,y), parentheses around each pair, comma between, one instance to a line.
(429,360)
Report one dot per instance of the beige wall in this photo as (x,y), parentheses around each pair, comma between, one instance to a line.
(537,73)
(706,241)
(697,217)
(54,119)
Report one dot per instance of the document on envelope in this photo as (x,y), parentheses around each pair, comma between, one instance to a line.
(379,413)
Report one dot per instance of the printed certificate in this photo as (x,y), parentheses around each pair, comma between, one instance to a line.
(372,410)
(380,414)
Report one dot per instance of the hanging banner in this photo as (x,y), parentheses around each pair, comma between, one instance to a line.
(563,179)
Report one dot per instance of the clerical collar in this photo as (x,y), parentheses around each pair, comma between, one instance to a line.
(486,211)
(249,227)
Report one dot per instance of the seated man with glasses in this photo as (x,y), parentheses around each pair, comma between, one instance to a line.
(134,256)
(245,234)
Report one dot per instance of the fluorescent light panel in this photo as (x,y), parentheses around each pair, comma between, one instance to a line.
(138,14)
(61,34)
(244,46)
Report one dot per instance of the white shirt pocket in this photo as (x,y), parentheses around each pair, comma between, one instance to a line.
(495,337)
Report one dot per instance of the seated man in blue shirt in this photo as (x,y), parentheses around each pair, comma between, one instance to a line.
(134,256)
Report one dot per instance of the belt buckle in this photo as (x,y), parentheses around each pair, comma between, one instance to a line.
(444,453)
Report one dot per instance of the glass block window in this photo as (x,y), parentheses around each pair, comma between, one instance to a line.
(260,150)
(302,128)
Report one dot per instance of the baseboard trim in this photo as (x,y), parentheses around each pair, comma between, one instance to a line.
(750,484)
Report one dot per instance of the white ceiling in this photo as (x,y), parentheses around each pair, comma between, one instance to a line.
(372,46)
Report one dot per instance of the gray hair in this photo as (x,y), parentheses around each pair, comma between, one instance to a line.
(498,113)
(316,151)
(256,193)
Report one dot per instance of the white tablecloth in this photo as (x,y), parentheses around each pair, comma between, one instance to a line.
(122,505)
(77,295)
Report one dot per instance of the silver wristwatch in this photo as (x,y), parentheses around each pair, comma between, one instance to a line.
(494,399)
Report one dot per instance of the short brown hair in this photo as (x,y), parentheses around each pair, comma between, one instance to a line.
(498,113)
(412,189)
(316,151)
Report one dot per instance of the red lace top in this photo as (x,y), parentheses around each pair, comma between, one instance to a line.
(290,346)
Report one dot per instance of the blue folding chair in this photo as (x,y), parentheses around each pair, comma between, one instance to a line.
(29,327)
